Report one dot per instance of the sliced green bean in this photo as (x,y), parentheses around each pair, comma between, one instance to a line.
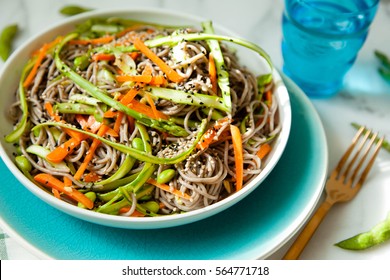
(6,38)
(114,184)
(125,168)
(74,108)
(189,98)
(222,73)
(22,125)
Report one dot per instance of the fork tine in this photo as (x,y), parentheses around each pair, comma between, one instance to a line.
(347,153)
(359,165)
(365,172)
(353,160)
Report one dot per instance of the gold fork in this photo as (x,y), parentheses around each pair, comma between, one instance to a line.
(344,183)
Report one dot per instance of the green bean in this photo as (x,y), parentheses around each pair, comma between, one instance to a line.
(91,196)
(6,38)
(125,168)
(72,10)
(377,235)
(385,144)
(74,108)
(113,185)
(166,176)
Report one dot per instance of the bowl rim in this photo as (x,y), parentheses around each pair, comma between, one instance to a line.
(161,221)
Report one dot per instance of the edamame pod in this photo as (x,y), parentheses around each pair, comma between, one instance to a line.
(378,234)
(73,10)
(6,38)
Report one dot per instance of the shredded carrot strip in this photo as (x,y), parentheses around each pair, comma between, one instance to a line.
(171,73)
(268,98)
(52,182)
(60,152)
(128,29)
(213,74)
(103,56)
(126,209)
(152,105)
(146,110)
(238,156)
(135,78)
(167,188)
(129,96)
(90,153)
(118,121)
(146,79)
(131,121)
(264,150)
(209,136)
(38,62)
(110,114)
(96,41)
(71,133)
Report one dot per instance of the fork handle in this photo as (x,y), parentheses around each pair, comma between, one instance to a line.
(299,244)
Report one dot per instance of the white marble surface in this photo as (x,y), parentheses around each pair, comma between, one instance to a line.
(365,99)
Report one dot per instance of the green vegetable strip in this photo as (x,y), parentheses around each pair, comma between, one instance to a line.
(385,144)
(378,234)
(74,108)
(142,156)
(182,97)
(173,40)
(125,168)
(114,184)
(222,74)
(146,172)
(21,127)
(162,125)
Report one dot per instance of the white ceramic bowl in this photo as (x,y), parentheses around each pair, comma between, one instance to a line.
(9,80)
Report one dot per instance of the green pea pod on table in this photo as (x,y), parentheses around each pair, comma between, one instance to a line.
(6,38)
(72,10)
(377,235)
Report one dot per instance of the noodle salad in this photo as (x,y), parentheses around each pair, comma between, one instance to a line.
(138,119)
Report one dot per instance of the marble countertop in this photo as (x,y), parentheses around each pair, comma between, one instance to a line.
(365,99)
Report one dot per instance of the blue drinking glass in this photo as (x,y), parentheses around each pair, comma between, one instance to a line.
(321,40)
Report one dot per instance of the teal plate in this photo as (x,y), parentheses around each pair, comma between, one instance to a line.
(253,228)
